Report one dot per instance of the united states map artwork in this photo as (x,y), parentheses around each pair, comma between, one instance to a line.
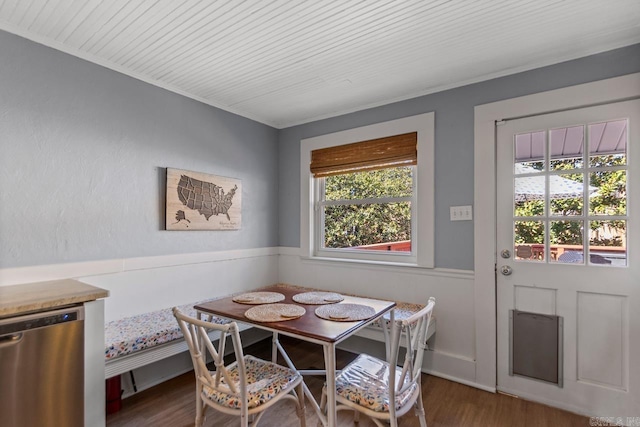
(199,201)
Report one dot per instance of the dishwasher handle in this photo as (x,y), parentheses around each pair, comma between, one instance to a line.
(9,340)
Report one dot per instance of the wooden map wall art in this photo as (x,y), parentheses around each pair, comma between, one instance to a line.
(200,201)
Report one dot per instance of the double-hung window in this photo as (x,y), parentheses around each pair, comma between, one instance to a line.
(370,199)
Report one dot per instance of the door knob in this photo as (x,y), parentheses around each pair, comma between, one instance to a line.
(506,270)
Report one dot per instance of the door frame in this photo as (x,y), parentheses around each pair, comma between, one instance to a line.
(485,253)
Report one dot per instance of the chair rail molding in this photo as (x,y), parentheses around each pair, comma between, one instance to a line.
(39,273)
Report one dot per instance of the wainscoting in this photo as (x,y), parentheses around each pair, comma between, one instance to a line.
(452,349)
(139,285)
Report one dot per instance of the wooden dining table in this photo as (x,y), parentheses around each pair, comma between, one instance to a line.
(309,327)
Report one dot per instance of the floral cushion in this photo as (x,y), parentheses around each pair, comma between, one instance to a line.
(265,380)
(365,381)
(132,334)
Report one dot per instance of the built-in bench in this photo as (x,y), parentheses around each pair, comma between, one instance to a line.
(140,340)
(137,341)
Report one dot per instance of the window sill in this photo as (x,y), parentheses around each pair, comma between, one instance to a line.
(324,259)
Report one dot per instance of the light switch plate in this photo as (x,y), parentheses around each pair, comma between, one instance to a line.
(461,213)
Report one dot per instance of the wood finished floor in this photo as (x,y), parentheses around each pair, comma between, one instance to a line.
(446,403)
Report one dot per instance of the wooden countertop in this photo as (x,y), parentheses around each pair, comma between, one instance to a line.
(30,297)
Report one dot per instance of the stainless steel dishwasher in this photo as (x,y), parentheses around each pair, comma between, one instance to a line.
(42,369)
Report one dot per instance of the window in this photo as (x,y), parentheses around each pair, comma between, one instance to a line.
(571,199)
(367,193)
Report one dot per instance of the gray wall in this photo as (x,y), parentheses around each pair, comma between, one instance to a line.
(453,144)
(83,152)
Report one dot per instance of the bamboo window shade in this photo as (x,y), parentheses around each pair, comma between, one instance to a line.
(381,153)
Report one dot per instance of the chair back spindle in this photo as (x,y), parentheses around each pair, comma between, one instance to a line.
(381,389)
(196,334)
(414,329)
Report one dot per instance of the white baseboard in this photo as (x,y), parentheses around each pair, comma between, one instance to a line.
(549,402)
(461,381)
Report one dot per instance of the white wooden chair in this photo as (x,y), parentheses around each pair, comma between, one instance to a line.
(246,387)
(366,385)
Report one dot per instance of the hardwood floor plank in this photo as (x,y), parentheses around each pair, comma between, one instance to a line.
(447,403)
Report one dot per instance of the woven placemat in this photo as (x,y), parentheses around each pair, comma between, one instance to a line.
(318,298)
(345,312)
(259,298)
(274,312)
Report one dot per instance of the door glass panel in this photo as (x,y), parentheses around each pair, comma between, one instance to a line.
(529,195)
(529,149)
(609,193)
(561,188)
(566,146)
(566,193)
(566,240)
(608,243)
(608,143)
(529,240)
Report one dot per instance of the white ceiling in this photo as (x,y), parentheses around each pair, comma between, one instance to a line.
(289,62)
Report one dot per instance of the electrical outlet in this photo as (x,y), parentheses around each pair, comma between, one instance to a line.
(461,213)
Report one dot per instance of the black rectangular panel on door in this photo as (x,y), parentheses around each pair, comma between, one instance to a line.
(536,346)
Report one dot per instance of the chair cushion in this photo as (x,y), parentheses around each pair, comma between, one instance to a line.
(365,382)
(403,310)
(135,333)
(265,380)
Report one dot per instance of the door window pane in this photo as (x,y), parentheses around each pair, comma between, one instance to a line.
(529,240)
(529,149)
(608,143)
(566,192)
(566,148)
(609,195)
(608,243)
(529,194)
(566,241)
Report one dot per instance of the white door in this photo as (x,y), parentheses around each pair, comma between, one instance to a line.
(568,240)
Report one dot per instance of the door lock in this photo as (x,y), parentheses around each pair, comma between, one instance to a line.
(506,270)
(505,253)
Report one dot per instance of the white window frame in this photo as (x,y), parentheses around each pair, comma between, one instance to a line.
(362,254)
(422,206)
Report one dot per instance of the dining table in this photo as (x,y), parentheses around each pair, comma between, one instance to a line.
(311,327)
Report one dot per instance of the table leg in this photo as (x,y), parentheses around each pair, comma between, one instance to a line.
(385,330)
(307,392)
(274,348)
(330,366)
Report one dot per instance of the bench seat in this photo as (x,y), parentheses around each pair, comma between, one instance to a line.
(130,341)
(136,333)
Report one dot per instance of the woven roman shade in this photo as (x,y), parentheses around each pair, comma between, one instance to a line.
(391,151)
